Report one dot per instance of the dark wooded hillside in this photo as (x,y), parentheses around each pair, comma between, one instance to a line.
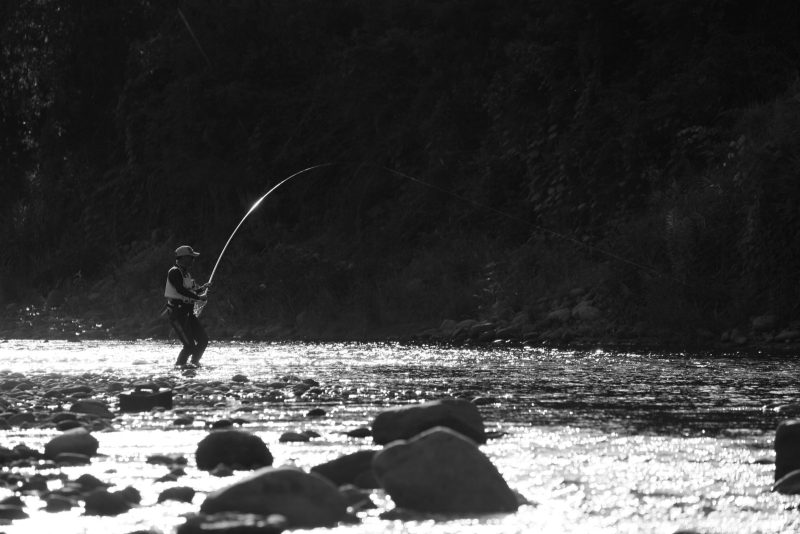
(645,152)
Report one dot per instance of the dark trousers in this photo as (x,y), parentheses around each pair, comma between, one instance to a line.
(192,335)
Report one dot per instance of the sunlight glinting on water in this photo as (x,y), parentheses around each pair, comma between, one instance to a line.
(596,442)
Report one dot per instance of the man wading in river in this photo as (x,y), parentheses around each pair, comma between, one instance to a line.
(182,292)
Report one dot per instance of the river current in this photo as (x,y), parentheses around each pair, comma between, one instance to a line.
(597,441)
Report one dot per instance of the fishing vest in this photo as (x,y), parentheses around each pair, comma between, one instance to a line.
(171,293)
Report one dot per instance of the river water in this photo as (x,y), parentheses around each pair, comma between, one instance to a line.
(598,441)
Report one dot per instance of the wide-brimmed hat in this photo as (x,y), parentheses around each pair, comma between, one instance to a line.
(185,250)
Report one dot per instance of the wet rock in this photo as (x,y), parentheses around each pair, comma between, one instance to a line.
(58,417)
(316,412)
(103,502)
(7,455)
(239,378)
(232,523)
(89,482)
(404,422)
(68,424)
(177,493)
(19,419)
(76,440)
(34,484)
(14,500)
(495,434)
(19,452)
(306,500)
(221,471)
(11,512)
(274,396)
(484,401)
(184,420)
(167,459)
(787,448)
(241,420)
(292,437)
(93,407)
(59,503)
(789,410)
(24,386)
(361,432)
(299,389)
(441,471)
(130,494)
(72,458)
(115,387)
(788,484)
(8,385)
(76,389)
(234,448)
(222,423)
(354,468)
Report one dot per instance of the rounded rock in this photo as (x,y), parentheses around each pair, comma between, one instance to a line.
(177,493)
(306,500)
(233,448)
(441,471)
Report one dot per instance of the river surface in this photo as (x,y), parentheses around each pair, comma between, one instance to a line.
(597,441)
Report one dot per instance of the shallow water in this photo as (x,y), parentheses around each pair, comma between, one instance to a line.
(598,441)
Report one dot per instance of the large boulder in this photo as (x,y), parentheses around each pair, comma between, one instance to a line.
(177,493)
(92,407)
(235,448)
(74,441)
(354,468)
(787,448)
(102,502)
(441,471)
(305,500)
(405,422)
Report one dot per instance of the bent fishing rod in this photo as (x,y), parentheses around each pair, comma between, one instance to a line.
(199,305)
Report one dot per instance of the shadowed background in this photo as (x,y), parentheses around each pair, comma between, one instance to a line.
(663,133)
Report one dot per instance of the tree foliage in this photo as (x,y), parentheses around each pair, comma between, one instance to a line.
(129,121)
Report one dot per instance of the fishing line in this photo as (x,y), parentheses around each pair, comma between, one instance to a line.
(194,37)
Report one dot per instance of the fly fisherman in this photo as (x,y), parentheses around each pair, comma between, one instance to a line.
(182,292)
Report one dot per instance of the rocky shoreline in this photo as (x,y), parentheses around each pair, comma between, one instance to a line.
(574,321)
